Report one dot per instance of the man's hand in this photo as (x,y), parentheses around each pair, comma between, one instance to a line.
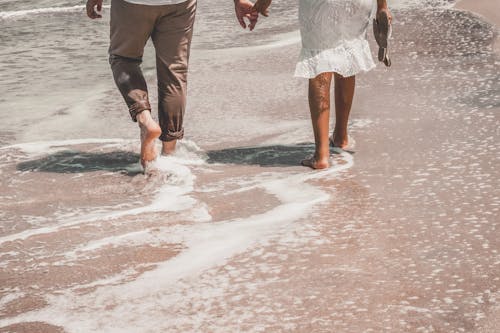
(92,5)
(244,8)
(262,6)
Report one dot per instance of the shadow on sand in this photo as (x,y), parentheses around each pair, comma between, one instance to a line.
(71,161)
(76,161)
(267,156)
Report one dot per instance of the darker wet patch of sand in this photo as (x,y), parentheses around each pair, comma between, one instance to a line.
(32,327)
(34,277)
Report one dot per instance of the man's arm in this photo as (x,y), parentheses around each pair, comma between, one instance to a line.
(92,5)
(244,8)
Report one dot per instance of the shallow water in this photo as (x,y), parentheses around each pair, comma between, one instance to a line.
(231,234)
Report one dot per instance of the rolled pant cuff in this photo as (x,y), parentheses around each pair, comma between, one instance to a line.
(138,107)
(171,136)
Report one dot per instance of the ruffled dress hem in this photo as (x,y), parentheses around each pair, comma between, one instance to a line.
(347,59)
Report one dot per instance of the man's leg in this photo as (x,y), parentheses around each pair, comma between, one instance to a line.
(319,104)
(131,26)
(172,39)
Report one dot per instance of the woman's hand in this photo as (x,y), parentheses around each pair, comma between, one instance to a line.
(389,14)
(382,7)
(261,6)
(244,9)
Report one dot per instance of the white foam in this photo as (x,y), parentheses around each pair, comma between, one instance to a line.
(131,238)
(44,147)
(282,40)
(173,195)
(174,177)
(39,11)
(406,4)
(139,305)
(10,297)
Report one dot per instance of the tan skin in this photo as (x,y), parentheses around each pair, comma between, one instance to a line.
(319,104)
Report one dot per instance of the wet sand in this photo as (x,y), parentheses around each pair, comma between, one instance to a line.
(234,236)
(490,10)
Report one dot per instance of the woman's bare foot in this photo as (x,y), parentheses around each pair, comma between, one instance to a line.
(315,163)
(150,131)
(168,147)
(339,141)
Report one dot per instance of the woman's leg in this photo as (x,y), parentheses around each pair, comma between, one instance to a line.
(344,94)
(319,104)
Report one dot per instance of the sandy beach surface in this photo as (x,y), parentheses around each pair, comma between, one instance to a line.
(231,234)
(488,9)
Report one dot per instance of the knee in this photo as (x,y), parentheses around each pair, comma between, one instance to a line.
(173,87)
(117,60)
(174,79)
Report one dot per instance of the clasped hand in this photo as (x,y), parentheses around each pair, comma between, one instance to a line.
(246,9)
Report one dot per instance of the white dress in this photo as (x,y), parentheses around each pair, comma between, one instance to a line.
(334,37)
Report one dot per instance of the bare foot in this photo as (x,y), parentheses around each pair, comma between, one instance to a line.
(150,131)
(168,147)
(338,141)
(315,163)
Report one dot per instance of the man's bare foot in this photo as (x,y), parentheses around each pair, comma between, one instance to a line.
(315,163)
(168,147)
(150,131)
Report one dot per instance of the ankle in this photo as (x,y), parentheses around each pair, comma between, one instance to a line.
(322,155)
(340,132)
(340,138)
(168,147)
(322,161)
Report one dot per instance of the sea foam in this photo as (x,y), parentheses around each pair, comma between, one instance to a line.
(15,14)
(207,245)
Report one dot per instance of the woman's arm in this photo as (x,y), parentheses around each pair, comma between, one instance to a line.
(382,7)
(382,4)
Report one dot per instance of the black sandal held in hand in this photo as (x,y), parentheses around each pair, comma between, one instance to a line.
(382,30)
